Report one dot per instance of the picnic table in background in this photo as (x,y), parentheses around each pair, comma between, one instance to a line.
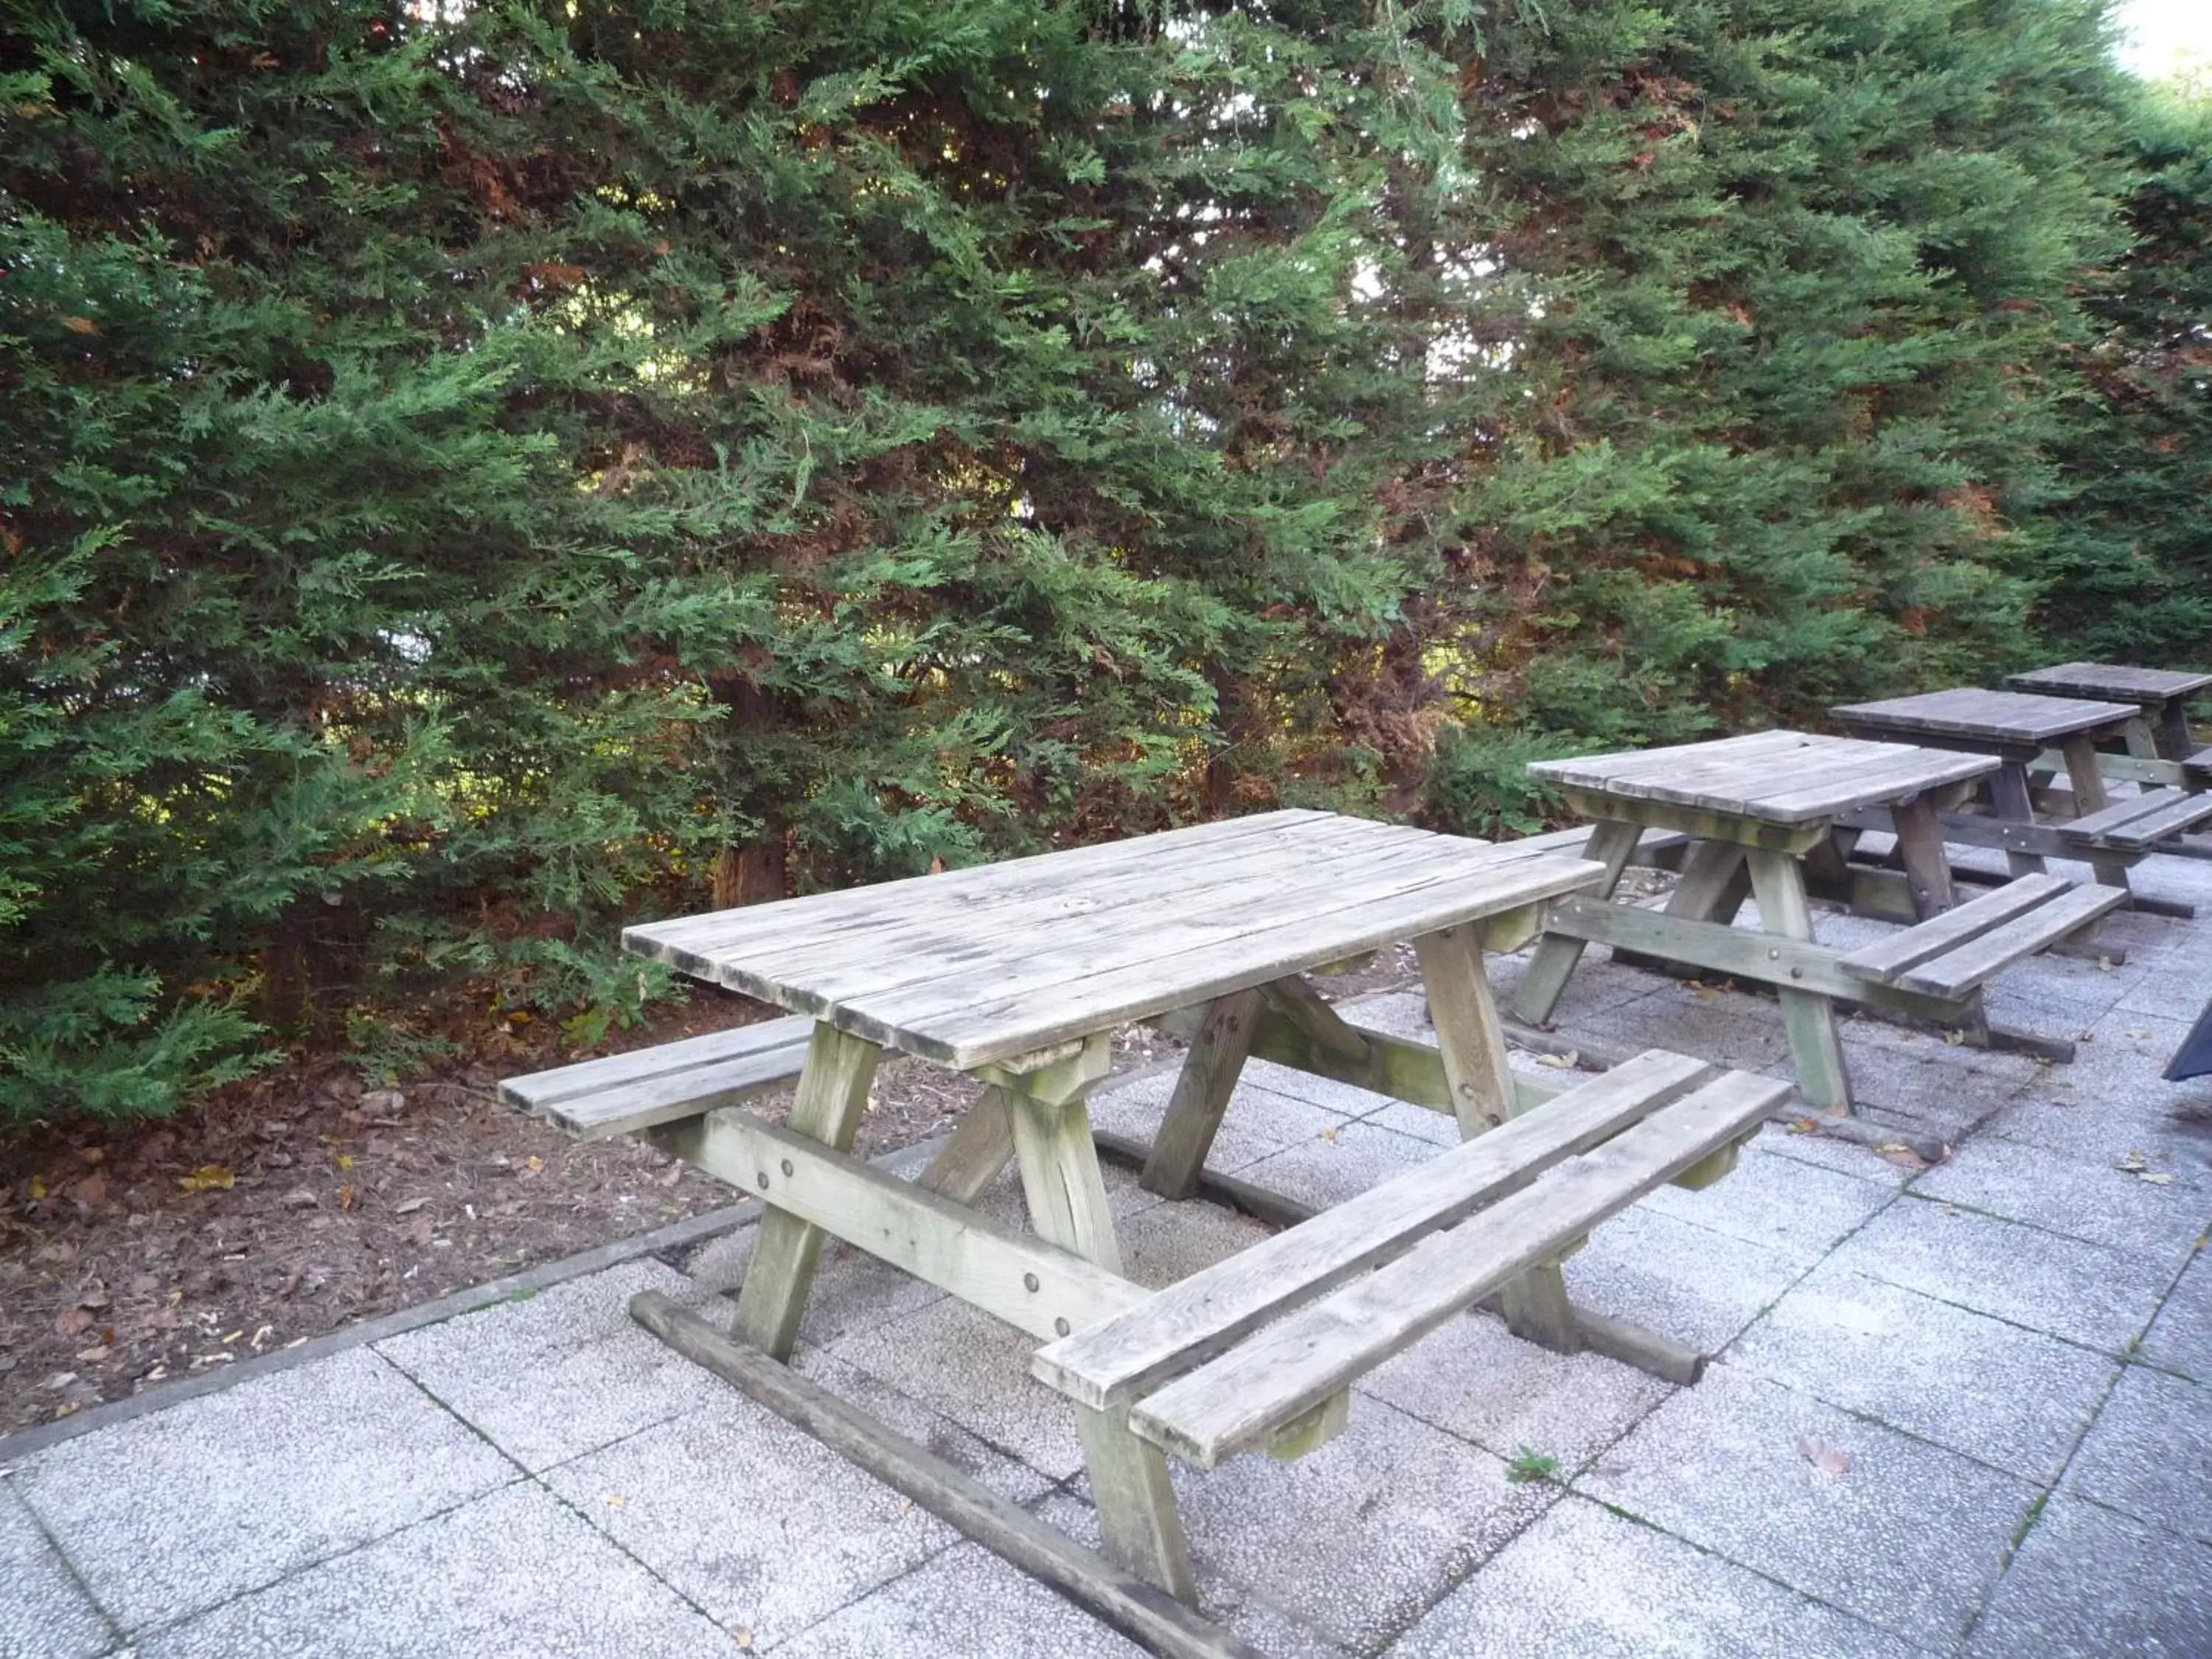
(2019,729)
(1017,973)
(2160,728)
(1767,812)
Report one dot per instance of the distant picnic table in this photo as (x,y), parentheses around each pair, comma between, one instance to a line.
(1772,815)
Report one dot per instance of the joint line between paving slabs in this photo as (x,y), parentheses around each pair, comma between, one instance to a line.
(118,1637)
(532,1479)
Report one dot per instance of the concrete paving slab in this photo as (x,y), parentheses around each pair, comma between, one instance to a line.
(1828,1153)
(2091,1584)
(750,1519)
(1436,1130)
(2095,1202)
(1910,1538)
(516,1574)
(2090,1294)
(1779,1204)
(1944,1091)
(1237,1607)
(1729,1028)
(1360,1536)
(1329,1169)
(2014,1398)
(852,1288)
(2181,1339)
(1473,1378)
(561,1374)
(181,1511)
(1402,1013)
(1174,1241)
(2150,1454)
(1341,1100)
(43,1611)
(976,1371)
(966,1600)
(1262,1117)
(1684,1281)
(1585,1584)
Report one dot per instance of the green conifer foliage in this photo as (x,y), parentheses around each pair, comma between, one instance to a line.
(1770,296)
(2131,567)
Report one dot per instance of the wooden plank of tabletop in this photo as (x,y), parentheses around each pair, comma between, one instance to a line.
(1808,778)
(1123,978)
(982,884)
(936,948)
(2009,717)
(2114,681)
(891,917)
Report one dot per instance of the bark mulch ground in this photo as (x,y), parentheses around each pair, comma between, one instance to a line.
(287,1207)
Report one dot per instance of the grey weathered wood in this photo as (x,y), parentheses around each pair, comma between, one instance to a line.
(1237,1400)
(1033,1286)
(1611,844)
(1067,1196)
(1469,1038)
(1654,849)
(967,979)
(1534,1306)
(1137,1608)
(1816,1046)
(2120,813)
(2188,772)
(1210,1070)
(1920,850)
(1061,1180)
(1959,971)
(981,1146)
(1885,958)
(2002,717)
(2171,819)
(2149,687)
(1783,778)
(621,1094)
(1198,1317)
(833,1093)
(1306,1008)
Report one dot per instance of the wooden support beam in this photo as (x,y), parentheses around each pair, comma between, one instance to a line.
(981,1146)
(1032,1286)
(1208,1077)
(833,1093)
(1138,1609)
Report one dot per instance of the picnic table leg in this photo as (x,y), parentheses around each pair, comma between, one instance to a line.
(2008,793)
(833,1093)
(2090,796)
(1610,844)
(2174,741)
(2140,741)
(1713,889)
(981,1144)
(1208,1077)
(1469,1035)
(1815,1045)
(1137,1517)
(1920,850)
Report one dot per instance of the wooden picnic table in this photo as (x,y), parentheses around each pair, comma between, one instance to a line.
(1019,973)
(2030,735)
(1767,814)
(2160,728)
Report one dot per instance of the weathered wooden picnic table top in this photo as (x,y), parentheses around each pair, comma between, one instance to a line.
(2149,687)
(2009,717)
(1775,777)
(970,966)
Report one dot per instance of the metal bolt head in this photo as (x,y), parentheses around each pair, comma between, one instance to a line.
(787,1168)
(1061,1326)
(1029,1281)
(763,1179)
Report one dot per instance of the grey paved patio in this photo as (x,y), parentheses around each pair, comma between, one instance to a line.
(2013,1351)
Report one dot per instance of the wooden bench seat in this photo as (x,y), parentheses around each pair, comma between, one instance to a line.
(1655,850)
(1206,1375)
(1953,954)
(2140,821)
(621,1094)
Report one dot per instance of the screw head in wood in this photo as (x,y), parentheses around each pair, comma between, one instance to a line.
(787,1167)
(1061,1326)
(1029,1281)
(763,1179)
